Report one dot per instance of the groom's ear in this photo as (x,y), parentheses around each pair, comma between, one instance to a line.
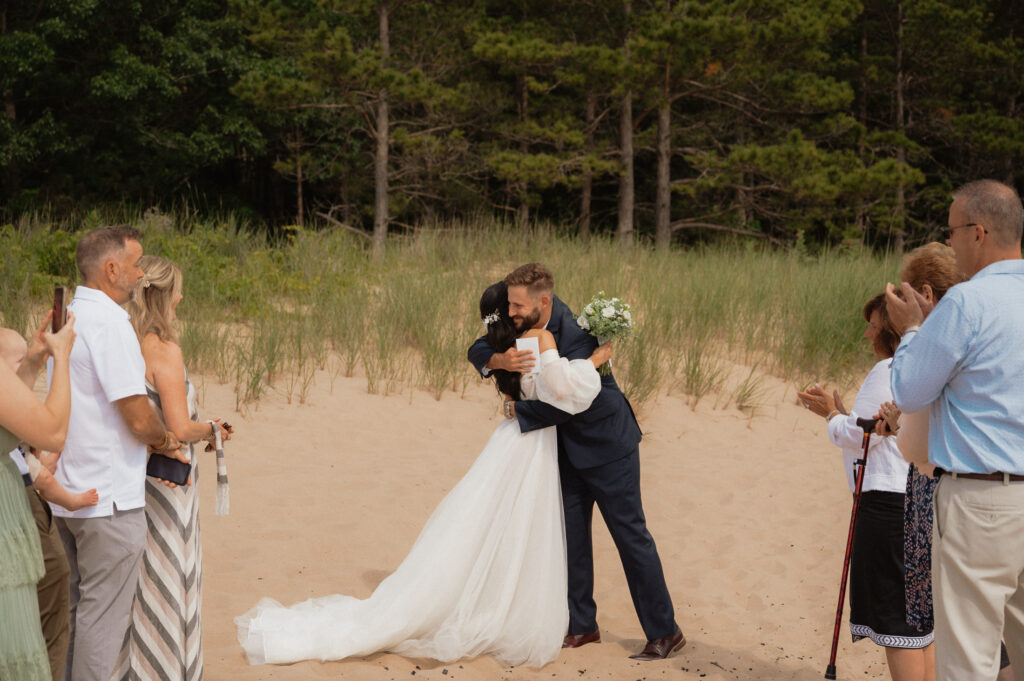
(545,301)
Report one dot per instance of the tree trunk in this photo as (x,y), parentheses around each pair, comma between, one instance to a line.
(380,213)
(861,217)
(663,200)
(300,210)
(588,174)
(742,195)
(624,234)
(1011,112)
(9,180)
(901,153)
(522,190)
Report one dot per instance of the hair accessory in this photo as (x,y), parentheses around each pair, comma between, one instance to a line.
(492,318)
(146,282)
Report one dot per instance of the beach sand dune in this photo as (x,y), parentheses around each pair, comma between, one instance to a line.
(749,514)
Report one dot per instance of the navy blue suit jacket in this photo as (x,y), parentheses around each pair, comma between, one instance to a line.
(606,431)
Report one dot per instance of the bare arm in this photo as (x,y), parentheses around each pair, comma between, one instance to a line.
(141,420)
(40,424)
(166,368)
(547,342)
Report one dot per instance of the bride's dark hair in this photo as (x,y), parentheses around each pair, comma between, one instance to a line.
(501,334)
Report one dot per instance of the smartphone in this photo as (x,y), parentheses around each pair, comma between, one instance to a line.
(166,468)
(60,308)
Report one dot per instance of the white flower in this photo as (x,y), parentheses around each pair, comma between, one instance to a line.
(627,316)
(589,309)
(583,323)
(608,312)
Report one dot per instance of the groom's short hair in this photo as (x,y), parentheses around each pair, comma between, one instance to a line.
(537,279)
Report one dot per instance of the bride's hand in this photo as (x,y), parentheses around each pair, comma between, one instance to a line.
(602,354)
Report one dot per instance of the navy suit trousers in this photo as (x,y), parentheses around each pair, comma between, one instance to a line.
(615,488)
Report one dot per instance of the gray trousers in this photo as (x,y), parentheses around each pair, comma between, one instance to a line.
(104,555)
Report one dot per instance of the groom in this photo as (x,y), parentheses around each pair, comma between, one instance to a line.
(599,462)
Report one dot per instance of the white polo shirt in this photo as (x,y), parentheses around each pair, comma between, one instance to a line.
(100,451)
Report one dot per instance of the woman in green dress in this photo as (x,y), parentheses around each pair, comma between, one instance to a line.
(44,424)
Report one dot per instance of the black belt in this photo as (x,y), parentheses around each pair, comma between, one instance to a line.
(27,478)
(993,477)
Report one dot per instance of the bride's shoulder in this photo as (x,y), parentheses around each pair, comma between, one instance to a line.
(544,338)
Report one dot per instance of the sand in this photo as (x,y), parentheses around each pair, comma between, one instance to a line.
(750,516)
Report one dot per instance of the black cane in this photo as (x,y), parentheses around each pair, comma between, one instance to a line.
(867,425)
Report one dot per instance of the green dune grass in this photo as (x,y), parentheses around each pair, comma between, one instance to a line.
(272,314)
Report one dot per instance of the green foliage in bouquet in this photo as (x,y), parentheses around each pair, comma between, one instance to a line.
(608,319)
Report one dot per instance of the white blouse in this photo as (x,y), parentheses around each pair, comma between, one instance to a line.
(886,470)
(569,385)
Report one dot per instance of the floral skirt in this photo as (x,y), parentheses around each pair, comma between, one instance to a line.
(917,549)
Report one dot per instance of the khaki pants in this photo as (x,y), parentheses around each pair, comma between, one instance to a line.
(104,555)
(977,572)
(54,598)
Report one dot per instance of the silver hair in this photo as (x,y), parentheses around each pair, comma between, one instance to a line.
(995,205)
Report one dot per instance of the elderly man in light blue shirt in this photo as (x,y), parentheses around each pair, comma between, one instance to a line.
(965,363)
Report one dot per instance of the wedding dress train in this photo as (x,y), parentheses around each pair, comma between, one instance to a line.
(487,574)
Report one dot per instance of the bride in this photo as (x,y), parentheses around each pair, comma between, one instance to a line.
(487,575)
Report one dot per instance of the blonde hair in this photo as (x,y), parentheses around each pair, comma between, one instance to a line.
(933,264)
(150,308)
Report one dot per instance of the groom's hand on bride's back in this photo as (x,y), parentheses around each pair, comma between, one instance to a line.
(518,361)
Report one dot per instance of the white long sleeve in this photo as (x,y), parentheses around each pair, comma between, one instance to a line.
(570,385)
(886,471)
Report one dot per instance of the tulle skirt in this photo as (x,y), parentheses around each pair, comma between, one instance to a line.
(487,575)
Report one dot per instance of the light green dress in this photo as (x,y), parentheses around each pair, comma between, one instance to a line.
(22,648)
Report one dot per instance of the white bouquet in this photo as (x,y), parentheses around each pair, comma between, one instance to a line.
(607,319)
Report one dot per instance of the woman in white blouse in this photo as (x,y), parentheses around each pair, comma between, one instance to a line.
(877,595)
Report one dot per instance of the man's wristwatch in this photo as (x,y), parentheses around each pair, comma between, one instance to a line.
(508,409)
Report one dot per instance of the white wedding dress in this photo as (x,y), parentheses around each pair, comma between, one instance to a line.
(487,575)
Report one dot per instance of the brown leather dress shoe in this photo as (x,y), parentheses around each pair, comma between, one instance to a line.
(577,640)
(660,648)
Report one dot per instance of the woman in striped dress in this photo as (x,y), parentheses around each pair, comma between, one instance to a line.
(164,641)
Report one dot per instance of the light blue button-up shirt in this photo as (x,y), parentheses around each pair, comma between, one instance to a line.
(966,364)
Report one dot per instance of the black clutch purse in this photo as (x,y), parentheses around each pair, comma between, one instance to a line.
(166,468)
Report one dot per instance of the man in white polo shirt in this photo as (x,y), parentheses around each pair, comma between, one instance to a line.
(111,424)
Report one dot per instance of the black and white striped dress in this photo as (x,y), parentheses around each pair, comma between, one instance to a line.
(164,641)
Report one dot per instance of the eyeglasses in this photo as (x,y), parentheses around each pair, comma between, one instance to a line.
(950,229)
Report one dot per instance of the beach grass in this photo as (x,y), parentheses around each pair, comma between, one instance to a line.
(272,313)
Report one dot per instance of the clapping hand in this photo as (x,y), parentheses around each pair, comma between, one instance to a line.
(907,307)
(820,402)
